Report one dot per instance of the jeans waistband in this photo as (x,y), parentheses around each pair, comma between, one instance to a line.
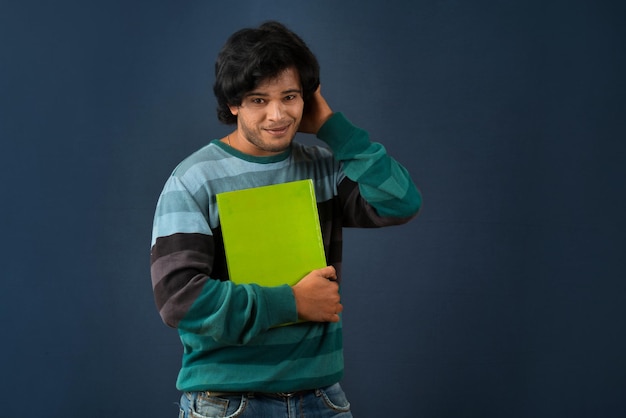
(281,395)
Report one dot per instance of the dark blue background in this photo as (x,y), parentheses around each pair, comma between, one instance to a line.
(505,298)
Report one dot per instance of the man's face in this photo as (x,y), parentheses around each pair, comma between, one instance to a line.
(269,116)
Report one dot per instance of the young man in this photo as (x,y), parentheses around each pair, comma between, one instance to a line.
(237,360)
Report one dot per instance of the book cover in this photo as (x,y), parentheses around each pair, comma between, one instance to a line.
(271,233)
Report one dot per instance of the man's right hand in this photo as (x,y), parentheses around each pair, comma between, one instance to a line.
(317,296)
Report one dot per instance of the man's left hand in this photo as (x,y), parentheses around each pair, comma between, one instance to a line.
(316,113)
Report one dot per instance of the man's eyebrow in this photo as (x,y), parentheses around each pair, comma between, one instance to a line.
(262,94)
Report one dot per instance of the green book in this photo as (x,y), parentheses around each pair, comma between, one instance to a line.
(271,233)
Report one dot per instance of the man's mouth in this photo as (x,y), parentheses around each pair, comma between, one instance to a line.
(278,130)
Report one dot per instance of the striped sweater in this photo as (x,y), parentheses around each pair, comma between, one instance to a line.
(228,331)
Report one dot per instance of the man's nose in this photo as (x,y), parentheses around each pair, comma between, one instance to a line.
(275,110)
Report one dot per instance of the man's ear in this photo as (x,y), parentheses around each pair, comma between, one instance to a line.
(233,109)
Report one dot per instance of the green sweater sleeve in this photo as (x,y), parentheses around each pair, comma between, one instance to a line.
(383,182)
(241,312)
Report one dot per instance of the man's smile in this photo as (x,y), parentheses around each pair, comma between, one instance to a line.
(278,131)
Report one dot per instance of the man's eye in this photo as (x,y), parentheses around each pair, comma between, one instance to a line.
(257,101)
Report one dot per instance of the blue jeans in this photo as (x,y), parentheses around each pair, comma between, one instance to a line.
(321,403)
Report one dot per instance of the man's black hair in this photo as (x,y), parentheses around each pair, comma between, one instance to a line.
(251,56)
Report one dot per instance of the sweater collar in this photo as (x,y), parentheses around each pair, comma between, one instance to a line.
(252,158)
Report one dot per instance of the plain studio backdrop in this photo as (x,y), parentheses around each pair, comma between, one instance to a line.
(504,298)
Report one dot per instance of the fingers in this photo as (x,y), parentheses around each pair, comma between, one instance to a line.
(316,113)
(332,308)
(328,273)
(335,317)
(317,296)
